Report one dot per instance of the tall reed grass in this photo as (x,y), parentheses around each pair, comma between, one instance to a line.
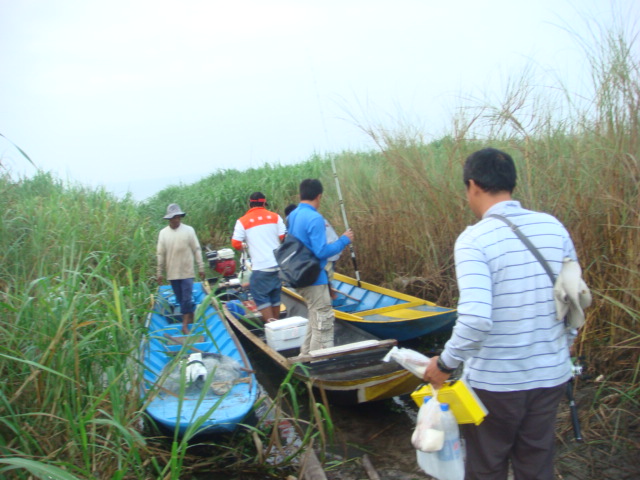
(577,158)
(75,289)
(77,265)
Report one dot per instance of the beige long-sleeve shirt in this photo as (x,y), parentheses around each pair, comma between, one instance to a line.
(177,250)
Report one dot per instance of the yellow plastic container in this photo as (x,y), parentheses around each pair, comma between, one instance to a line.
(463,401)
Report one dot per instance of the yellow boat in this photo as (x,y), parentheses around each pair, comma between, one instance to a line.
(386,313)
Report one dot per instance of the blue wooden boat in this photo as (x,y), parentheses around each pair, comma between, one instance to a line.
(386,313)
(200,383)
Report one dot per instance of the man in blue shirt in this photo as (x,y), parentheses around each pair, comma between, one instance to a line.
(515,351)
(308,226)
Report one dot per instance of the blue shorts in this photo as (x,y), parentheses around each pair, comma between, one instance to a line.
(265,288)
(183,290)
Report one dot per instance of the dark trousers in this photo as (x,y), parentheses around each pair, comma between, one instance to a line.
(183,290)
(520,428)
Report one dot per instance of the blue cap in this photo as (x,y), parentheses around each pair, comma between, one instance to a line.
(444,407)
(426,399)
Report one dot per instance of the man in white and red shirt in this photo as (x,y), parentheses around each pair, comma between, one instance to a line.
(262,231)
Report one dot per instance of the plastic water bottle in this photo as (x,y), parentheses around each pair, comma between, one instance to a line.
(450,455)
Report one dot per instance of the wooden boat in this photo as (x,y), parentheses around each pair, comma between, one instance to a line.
(386,313)
(197,383)
(352,372)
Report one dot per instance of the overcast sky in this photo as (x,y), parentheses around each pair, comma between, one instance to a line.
(140,94)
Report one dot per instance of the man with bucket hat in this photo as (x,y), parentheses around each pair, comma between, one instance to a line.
(178,248)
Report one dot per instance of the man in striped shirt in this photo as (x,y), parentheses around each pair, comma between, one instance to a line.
(515,352)
(263,231)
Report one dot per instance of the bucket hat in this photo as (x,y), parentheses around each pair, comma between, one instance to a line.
(173,210)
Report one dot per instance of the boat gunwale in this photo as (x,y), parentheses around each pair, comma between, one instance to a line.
(378,289)
(358,317)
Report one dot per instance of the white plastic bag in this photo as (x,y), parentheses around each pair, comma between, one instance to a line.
(448,462)
(428,436)
(195,368)
(413,361)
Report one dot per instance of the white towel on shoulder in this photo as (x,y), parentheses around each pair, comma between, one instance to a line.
(571,294)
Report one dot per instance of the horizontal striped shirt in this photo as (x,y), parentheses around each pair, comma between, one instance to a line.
(506,331)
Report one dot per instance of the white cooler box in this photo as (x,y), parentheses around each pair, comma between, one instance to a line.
(286,333)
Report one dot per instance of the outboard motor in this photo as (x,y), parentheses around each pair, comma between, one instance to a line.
(223,262)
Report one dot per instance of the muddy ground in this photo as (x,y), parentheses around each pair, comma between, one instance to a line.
(382,432)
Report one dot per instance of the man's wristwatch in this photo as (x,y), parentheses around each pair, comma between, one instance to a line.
(443,368)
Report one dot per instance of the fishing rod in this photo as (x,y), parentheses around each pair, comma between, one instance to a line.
(344,218)
(573,408)
(335,176)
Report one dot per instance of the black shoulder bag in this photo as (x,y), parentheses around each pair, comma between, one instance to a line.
(299,267)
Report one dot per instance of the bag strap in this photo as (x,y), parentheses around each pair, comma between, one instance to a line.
(529,245)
